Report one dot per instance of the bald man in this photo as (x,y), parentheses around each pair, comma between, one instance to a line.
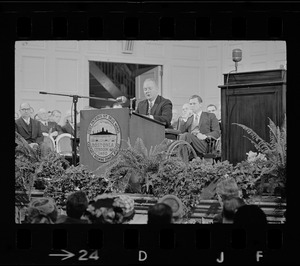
(48,126)
(155,106)
(29,128)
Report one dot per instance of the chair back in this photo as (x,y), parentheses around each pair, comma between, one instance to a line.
(64,144)
(49,141)
(212,152)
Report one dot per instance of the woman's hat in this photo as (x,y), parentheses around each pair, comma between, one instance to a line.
(175,203)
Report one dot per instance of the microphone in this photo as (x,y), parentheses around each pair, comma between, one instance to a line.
(121,99)
(43,92)
(236,57)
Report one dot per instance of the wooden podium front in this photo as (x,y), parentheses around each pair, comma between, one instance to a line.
(250,98)
(104,132)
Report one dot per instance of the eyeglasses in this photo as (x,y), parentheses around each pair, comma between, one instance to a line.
(25,109)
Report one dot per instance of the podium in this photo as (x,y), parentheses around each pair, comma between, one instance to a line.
(104,132)
(250,98)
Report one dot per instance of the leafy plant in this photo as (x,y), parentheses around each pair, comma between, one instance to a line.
(273,172)
(131,169)
(25,164)
(33,168)
(74,178)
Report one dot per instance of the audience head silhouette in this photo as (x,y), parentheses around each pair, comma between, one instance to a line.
(227,188)
(160,213)
(76,205)
(250,215)
(230,207)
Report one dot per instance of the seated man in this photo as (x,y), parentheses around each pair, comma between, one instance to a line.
(185,114)
(211,108)
(155,106)
(199,126)
(55,116)
(68,126)
(28,128)
(49,127)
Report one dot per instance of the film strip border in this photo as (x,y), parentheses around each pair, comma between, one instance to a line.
(179,244)
(188,244)
(150,21)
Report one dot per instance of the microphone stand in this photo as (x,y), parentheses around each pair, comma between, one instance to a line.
(75,100)
(130,105)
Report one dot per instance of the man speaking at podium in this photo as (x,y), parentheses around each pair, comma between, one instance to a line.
(155,106)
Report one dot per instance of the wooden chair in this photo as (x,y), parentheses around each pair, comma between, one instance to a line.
(64,147)
(64,144)
(212,154)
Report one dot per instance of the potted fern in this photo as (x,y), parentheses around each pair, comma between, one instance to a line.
(133,167)
(273,174)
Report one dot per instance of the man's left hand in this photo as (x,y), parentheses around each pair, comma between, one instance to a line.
(201,136)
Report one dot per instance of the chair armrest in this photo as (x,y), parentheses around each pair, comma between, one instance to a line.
(172,131)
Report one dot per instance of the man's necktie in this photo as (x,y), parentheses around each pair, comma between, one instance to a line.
(149,108)
(196,121)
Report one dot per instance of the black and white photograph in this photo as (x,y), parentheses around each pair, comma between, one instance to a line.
(150,132)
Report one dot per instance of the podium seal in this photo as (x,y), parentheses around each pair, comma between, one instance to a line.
(103,137)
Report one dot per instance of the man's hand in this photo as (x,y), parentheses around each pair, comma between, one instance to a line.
(54,134)
(201,136)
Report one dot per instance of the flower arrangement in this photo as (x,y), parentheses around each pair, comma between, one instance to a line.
(271,156)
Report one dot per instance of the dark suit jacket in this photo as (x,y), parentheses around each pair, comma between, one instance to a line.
(161,110)
(208,125)
(67,128)
(36,135)
(51,125)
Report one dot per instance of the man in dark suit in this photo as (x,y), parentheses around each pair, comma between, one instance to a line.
(155,106)
(29,128)
(199,126)
(49,127)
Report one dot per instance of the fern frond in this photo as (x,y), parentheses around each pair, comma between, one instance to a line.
(278,141)
(260,144)
(140,147)
(159,149)
(24,148)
